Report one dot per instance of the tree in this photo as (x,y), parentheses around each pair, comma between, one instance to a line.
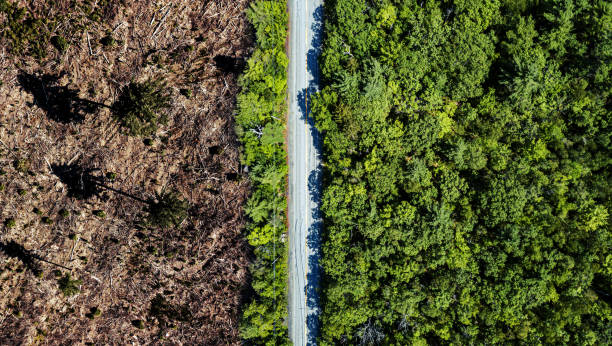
(139,105)
(68,286)
(166,209)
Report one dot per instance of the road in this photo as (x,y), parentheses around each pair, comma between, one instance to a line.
(305,18)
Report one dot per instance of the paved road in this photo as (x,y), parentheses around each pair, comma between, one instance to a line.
(304,171)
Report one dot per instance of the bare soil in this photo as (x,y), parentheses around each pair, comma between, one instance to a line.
(184,283)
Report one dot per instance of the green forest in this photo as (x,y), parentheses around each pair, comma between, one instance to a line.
(260,123)
(466,172)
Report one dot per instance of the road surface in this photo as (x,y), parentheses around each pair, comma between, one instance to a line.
(305,18)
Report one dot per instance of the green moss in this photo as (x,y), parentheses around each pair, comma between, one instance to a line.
(47,220)
(64,213)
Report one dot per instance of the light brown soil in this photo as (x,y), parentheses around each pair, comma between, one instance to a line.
(199,268)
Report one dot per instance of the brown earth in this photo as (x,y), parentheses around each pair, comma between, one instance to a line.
(197,271)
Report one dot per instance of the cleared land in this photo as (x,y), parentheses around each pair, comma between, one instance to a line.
(58,80)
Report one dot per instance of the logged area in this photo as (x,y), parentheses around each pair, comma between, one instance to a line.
(467,153)
(121,189)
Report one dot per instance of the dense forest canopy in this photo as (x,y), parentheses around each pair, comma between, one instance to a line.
(467,171)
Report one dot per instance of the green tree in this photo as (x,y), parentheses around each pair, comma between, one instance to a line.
(140,106)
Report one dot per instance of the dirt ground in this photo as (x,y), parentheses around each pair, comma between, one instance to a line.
(139,285)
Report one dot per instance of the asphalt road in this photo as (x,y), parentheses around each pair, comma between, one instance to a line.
(305,20)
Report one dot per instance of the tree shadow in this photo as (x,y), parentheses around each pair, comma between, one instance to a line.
(12,249)
(80,182)
(83,184)
(313,238)
(229,64)
(60,103)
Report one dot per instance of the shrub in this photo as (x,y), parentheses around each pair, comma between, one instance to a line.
(68,286)
(166,210)
(60,43)
(138,324)
(10,223)
(21,165)
(93,313)
(64,213)
(99,213)
(139,104)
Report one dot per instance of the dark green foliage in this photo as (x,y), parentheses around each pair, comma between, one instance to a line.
(467,185)
(64,213)
(99,213)
(46,220)
(24,31)
(140,106)
(111,176)
(60,43)
(93,313)
(166,209)
(108,41)
(10,223)
(138,324)
(21,165)
(187,93)
(68,286)
(260,124)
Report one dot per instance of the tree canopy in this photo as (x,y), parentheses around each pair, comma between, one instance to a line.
(467,172)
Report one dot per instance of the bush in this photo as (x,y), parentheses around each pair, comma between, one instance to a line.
(60,43)
(99,213)
(64,213)
(138,324)
(68,286)
(21,165)
(166,210)
(10,223)
(139,105)
(93,313)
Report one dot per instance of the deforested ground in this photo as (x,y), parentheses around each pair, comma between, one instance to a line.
(75,183)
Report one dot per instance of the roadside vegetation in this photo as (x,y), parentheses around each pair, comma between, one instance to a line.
(467,149)
(260,123)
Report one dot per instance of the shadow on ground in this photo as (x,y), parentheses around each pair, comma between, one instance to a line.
(81,182)
(12,249)
(59,103)
(313,239)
